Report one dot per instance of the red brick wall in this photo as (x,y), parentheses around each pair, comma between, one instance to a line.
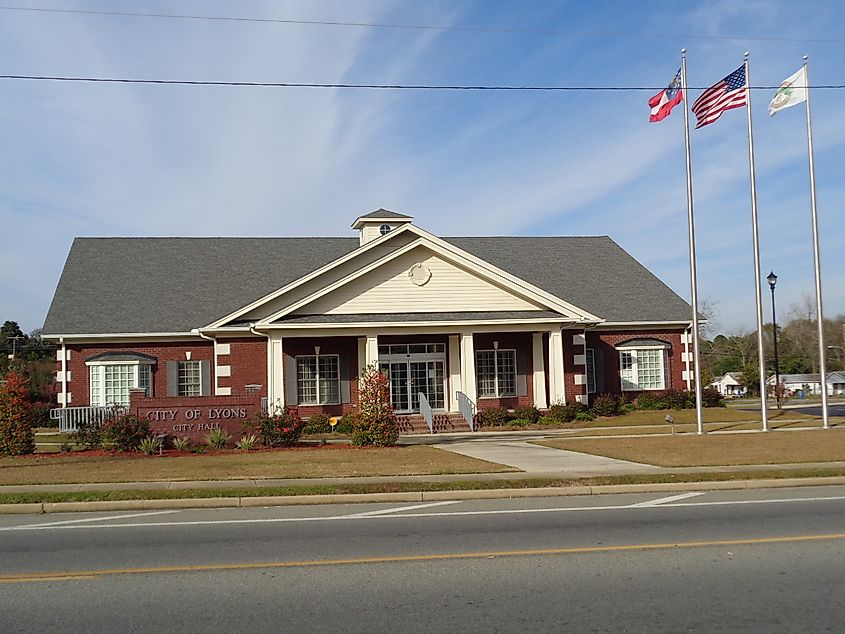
(195,417)
(248,360)
(604,345)
(164,352)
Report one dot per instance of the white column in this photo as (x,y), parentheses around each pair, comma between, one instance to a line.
(362,355)
(556,390)
(540,399)
(64,398)
(454,372)
(468,367)
(371,350)
(276,368)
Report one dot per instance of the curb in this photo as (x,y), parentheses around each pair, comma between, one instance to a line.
(418,496)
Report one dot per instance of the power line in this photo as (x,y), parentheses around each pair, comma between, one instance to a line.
(426,27)
(261,84)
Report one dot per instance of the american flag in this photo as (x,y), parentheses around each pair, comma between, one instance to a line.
(731,92)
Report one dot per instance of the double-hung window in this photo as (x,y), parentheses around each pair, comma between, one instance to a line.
(642,368)
(591,370)
(111,376)
(190,378)
(318,379)
(495,372)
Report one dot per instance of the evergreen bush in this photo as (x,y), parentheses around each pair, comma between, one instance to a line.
(376,423)
(565,413)
(606,405)
(16,435)
(530,414)
(124,433)
(317,424)
(282,428)
(495,417)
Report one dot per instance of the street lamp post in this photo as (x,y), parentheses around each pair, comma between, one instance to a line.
(772,279)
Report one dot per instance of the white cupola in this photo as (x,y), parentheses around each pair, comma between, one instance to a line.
(376,223)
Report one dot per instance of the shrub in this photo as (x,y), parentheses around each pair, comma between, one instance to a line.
(650,400)
(376,423)
(65,446)
(182,443)
(317,424)
(710,397)
(218,438)
(39,415)
(495,417)
(149,445)
(16,435)
(586,415)
(561,413)
(346,425)
(530,414)
(124,433)
(282,428)
(606,405)
(678,399)
(247,443)
(88,435)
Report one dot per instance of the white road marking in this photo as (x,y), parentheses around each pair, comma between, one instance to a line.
(94,519)
(671,498)
(393,515)
(402,508)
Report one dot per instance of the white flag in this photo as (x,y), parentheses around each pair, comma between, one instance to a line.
(792,91)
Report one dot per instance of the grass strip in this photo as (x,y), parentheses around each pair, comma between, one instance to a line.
(405,487)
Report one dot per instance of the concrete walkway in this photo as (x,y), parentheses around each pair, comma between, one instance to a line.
(535,459)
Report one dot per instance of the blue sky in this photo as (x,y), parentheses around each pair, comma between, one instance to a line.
(82,159)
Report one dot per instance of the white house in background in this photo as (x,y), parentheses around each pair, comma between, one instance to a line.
(811,383)
(730,384)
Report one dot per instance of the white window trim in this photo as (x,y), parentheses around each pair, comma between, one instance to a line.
(495,352)
(100,365)
(199,365)
(635,367)
(339,389)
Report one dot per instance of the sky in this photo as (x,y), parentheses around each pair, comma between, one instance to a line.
(86,159)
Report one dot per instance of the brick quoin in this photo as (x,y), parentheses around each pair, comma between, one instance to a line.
(248,361)
(570,369)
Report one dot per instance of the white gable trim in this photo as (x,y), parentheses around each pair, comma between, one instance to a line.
(488,275)
(307,278)
(481,267)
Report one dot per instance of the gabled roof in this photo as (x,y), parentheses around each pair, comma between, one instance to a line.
(172,285)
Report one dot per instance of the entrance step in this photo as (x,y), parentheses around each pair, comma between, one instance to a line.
(443,422)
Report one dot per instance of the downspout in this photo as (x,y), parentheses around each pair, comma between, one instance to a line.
(270,365)
(214,348)
(64,372)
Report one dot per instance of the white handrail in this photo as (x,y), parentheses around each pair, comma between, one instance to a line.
(467,409)
(71,417)
(425,410)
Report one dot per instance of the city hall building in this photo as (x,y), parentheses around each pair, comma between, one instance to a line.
(195,331)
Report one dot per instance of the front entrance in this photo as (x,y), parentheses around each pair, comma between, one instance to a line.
(413,369)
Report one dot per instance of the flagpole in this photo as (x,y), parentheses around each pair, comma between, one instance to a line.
(755,231)
(692,268)
(816,264)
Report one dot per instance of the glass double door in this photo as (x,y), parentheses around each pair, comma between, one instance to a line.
(410,377)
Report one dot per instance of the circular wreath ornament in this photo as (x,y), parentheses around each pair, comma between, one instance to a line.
(419,274)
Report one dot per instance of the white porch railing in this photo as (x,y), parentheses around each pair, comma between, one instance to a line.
(467,409)
(71,417)
(425,410)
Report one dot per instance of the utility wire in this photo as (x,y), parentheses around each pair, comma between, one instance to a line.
(262,84)
(428,27)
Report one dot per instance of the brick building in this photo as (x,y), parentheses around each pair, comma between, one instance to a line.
(489,321)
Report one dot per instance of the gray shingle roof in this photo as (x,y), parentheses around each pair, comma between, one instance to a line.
(385,213)
(145,285)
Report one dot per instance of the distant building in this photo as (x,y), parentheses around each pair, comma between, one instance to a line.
(729,384)
(811,383)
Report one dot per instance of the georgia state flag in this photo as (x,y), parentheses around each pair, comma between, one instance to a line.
(663,102)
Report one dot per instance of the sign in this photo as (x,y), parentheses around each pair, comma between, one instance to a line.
(333,421)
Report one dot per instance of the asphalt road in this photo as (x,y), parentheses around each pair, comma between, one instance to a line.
(759,560)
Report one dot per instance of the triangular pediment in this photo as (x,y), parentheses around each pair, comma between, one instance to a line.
(406,271)
(419,281)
